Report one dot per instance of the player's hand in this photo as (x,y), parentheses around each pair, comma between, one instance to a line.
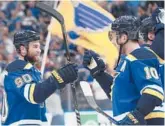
(66,74)
(158,19)
(93,63)
(133,118)
(158,16)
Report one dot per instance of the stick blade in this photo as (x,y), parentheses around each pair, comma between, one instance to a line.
(50,11)
(86,88)
(88,94)
(91,101)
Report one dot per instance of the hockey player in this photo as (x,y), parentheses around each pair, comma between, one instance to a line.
(26,91)
(147,35)
(159,21)
(136,89)
(146,32)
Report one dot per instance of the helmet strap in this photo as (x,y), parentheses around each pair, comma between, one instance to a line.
(120,51)
(26,57)
(118,60)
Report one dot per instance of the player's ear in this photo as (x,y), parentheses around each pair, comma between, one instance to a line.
(124,37)
(23,50)
(151,36)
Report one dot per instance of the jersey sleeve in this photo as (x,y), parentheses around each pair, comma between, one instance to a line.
(22,84)
(146,78)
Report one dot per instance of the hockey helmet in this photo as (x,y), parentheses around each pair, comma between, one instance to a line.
(127,24)
(25,37)
(146,27)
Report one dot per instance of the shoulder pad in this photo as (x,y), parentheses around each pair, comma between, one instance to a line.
(18,65)
(143,53)
(131,57)
(160,60)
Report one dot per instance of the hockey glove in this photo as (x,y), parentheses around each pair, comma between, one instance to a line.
(133,118)
(158,18)
(93,63)
(66,74)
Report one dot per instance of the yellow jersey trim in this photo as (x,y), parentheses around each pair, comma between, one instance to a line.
(160,60)
(57,76)
(28,66)
(131,57)
(31,97)
(155,115)
(154,93)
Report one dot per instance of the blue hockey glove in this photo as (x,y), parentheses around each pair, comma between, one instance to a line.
(66,74)
(93,63)
(158,19)
(158,16)
(133,118)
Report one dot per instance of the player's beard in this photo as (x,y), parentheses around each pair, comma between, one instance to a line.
(32,58)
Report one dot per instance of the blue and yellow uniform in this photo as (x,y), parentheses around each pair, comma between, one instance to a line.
(25,92)
(136,85)
(137,89)
(161,65)
(137,75)
(19,85)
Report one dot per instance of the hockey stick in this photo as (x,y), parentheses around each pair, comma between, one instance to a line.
(60,19)
(91,101)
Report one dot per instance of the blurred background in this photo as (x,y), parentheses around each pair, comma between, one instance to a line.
(18,15)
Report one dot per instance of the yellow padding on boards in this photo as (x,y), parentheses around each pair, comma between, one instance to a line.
(154,93)
(57,76)
(31,94)
(131,57)
(155,115)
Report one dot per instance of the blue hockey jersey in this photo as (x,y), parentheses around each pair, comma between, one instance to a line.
(19,106)
(161,66)
(137,73)
(161,63)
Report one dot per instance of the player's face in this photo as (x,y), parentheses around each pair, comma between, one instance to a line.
(121,38)
(34,51)
(112,38)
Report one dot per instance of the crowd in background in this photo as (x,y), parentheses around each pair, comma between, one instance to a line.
(17,15)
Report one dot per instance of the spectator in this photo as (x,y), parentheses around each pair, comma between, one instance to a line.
(35,12)
(6,40)
(105,4)
(10,6)
(134,5)
(18,26)
(120,8)
(152,5)
(3,19)
(29,22)
(3,5)
(14,19)
(41,26)
(20,9)
(142,9)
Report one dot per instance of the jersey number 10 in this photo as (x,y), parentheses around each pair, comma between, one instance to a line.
(151,73)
